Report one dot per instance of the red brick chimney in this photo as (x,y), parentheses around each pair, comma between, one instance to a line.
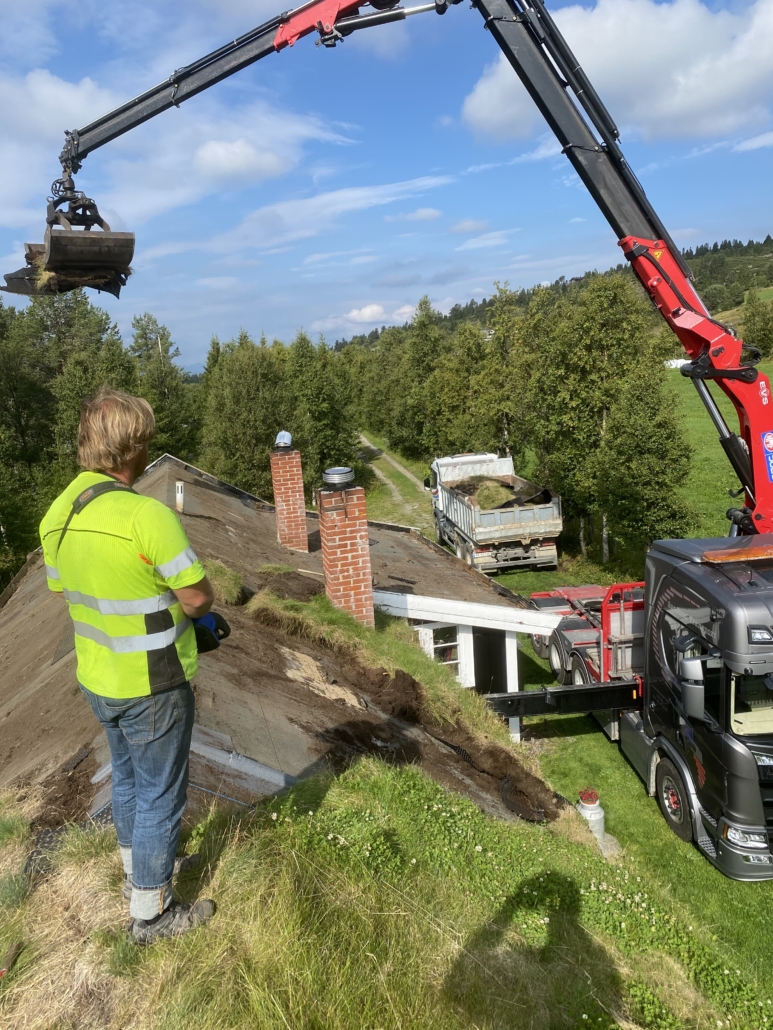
(343,528)
(287,477)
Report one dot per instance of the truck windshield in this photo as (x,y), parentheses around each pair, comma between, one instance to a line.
(751,704)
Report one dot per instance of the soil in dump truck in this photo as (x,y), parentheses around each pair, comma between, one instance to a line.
(488,493)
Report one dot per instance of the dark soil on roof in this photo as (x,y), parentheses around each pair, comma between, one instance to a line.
(493,770)
(291,586)
(67,792)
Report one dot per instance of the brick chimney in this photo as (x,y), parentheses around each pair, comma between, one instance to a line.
(287,477)
(343,528)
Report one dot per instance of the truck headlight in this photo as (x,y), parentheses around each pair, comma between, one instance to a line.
(762,759)
(745,838)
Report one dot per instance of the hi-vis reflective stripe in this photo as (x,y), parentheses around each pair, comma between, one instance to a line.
(51,572)
(125,645)
(183,561)
(143,606)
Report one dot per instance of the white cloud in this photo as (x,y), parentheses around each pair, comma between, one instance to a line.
(468,226)
(697,71)
(488,239)
(756,142)
(548,146)
(370,313)
(404,314)
(237,159)
(289,220)
(421,214)
(173,160)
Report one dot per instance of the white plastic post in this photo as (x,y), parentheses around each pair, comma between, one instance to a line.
(179,495)
(511,667)
(464,643)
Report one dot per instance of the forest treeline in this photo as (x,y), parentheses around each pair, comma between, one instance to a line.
(569,379)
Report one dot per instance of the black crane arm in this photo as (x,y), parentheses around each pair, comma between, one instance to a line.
(327,17)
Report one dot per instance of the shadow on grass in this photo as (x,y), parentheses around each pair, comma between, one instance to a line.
(546,726)
(533,964)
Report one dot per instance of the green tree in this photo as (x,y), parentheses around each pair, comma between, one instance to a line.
(320,422)
(247,403)
(165,385)
(758,323)
(409,406)
(580,348)
(643,460)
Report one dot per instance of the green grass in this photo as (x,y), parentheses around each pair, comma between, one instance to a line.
(226,583)
(711,475)
(13,828)
(274,569)
(419,468)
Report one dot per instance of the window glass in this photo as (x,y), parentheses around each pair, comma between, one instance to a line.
(673,631)
(751,704)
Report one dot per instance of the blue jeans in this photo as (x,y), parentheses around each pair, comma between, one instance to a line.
(150,739)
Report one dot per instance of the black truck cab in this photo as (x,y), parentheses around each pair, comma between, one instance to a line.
(703,742)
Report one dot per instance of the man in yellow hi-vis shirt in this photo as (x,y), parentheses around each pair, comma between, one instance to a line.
(133,583)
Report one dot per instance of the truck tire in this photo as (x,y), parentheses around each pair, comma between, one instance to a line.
(438,532)
(540,645)
(673,799)
(579,672)
(557,659)
(460,550)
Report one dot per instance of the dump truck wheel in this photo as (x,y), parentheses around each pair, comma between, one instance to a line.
(672,798)
(579,672)
(540,645)
(438,533)
(556,659)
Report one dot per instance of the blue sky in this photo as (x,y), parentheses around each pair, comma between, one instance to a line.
(331,189)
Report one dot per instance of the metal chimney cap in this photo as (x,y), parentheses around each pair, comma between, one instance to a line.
(340,476)
(284,440)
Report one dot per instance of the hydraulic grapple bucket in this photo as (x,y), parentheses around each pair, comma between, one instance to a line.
(70,258)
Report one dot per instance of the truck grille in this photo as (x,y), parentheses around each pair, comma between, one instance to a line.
(766,789)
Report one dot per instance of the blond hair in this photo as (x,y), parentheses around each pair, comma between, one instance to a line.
(114,428)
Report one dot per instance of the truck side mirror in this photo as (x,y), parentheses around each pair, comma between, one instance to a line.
(427,483)
(691,677)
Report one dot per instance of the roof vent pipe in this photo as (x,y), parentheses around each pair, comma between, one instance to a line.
(340,476)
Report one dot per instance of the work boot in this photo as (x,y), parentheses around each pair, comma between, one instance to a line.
(183,864)
(174,922)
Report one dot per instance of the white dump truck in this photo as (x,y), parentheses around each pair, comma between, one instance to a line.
(492,518)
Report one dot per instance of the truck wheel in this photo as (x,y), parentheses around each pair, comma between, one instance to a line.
(579,672)
(438,534)
(672,798)
(556,659)
(540,645)
(468,557)
(460,551)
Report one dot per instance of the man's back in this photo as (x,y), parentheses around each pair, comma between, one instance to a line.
(121,557)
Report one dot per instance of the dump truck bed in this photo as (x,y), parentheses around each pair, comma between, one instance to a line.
(519,531)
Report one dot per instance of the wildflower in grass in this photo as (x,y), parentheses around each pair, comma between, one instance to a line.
(413,861)
(273,816)
(478,847)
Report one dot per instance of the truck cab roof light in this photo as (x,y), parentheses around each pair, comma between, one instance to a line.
(758,552)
